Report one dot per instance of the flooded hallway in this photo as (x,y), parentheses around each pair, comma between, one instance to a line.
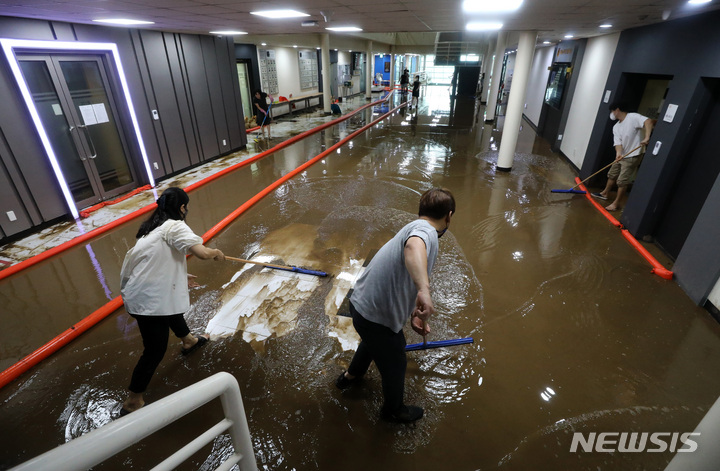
(572,333)
(575,290)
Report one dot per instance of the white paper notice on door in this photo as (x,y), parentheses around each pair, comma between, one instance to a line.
(94,114)
(101,115)
(88,115)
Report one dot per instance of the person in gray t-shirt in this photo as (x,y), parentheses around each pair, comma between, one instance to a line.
(393,288)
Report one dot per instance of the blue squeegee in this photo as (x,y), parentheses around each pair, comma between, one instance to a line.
(571,190)
(438,344)
(280,267)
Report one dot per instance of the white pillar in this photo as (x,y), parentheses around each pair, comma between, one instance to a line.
(370,71)
(485,70)
(327,96)
(392,67)
(495,78)
(516,100)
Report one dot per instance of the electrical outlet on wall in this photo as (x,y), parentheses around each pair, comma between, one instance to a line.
(224,142)
(11,216)
(157,167)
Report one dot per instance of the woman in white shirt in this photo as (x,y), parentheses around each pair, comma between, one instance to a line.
(154,286)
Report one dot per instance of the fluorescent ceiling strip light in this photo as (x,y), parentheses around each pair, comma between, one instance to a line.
(124,22)
(228,33)
(275,14)
(484,6)
(483,26)
(9,46)
(344,28)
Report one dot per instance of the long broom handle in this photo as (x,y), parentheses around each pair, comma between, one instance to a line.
(279,267)
(588,178)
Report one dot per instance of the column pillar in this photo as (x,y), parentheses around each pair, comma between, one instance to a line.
(495,78)
(370,71)
(392,67)
(516,100)
(485,70)
(327,96)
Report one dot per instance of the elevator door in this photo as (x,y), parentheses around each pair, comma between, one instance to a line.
(699,171)
(79,115)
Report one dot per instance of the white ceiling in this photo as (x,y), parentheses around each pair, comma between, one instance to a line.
(553,19)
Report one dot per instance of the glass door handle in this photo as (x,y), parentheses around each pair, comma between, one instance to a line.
(80,154)
(90,141)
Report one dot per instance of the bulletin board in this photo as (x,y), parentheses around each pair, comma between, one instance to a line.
(268,71)
(308,66)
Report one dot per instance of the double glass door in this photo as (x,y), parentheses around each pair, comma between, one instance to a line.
(78,112)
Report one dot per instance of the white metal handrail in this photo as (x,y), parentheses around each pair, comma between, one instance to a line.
(95,447)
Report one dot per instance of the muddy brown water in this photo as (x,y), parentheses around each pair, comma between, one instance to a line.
(572,332)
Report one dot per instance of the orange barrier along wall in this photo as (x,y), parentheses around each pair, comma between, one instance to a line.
(658,269)
(66,337)
(602,210)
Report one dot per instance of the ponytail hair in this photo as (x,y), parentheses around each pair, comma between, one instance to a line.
(169,205)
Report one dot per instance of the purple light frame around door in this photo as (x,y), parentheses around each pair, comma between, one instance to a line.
(10,46)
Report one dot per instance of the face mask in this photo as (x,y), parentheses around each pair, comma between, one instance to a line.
(612,116)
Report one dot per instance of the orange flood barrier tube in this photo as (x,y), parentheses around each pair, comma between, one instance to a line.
(58,342)
(12,269)
(63,339)
(602,210)
(658,269)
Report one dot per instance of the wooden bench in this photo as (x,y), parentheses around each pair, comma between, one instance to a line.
(292,101)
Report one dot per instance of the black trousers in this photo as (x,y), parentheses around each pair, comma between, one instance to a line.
(154,331)
(387,349)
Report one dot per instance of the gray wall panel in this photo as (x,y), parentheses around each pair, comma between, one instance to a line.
(182,95)
(155,144)
(10,197)
(171,133)
(199,95)
(26,150)
(228,80)
(214,86)
(22,28)
(63,31)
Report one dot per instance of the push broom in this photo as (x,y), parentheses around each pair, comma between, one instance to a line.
(280,267)
(581,192)
(437,344)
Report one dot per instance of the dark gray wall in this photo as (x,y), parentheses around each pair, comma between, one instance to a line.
(191,80)
(686,49)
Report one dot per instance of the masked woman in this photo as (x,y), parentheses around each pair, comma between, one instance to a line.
(154,286)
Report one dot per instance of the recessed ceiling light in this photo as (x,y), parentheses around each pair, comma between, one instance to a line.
(124,22)
(698,2)
(317,48)
(483,26)
(279,13)
(335,49)
(228,33)
(344,28)
(491,5)
(568,36)
(263,44)
(294,45)
(546,42)
(606,25)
